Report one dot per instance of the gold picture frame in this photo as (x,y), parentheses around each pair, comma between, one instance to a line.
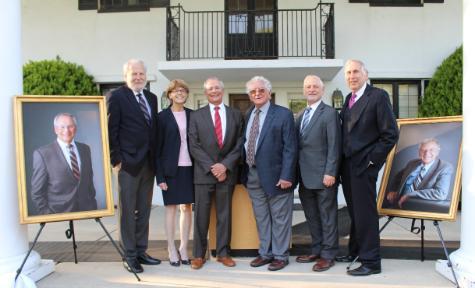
(436,196)
(35,134)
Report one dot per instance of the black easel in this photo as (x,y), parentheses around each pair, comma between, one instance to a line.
(417,230)
(70,233)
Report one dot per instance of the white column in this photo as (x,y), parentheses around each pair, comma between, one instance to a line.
(463,259)
(14,238)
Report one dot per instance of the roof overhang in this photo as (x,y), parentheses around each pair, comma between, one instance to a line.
(279,70)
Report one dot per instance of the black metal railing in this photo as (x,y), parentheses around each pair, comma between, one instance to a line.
(250,34)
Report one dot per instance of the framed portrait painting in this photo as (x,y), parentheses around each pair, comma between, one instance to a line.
(422,176)
(62,156)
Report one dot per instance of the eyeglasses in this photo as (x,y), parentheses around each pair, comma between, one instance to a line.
(257,91)
(179,90)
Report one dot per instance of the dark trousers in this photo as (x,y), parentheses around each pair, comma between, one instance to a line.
(360,195)
(321,210)
(135,199)
(204,194)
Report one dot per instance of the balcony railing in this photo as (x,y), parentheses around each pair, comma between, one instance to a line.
(250,34)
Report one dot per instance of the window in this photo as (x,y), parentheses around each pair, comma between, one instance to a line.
(405,96)
(121,5)
(296,103)
(397,3)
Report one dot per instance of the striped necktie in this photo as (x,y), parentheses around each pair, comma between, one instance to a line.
(143,107)
(74,162)
(418,180)
(251,143)
(306,119)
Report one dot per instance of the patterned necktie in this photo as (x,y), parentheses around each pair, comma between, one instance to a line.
(251,143)
(352,100)
(218,129)
(74,162)
(418,180)
(306,119)
(143,107)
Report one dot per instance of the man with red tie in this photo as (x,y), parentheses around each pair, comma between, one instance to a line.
(369,133)
(215,137)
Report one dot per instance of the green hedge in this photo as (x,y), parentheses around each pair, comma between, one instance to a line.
(57,77)
(443,95)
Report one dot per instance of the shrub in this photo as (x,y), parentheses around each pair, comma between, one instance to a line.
(56,77)
(443,95)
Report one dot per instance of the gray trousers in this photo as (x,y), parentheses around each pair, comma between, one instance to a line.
(203,197)
(135,199)
(273,218)
(320,208)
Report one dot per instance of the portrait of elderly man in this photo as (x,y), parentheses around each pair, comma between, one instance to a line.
(62,179)
(426,178)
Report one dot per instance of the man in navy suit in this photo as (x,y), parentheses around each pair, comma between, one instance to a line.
(270,156)
(132,116)
(369,133)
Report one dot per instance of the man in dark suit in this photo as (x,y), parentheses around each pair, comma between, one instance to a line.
(425,178)
(270,154)
(369,133)
(132,128)
(319,141)
(215,137)
(62,179)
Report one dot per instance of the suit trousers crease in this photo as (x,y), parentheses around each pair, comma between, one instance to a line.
(320,209)
(273,218)
(204,194)
(360,195)
(135,199)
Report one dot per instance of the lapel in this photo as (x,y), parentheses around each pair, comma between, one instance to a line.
(298,120)
(229,124)
(359,107)
(314,118)
(172,119)
(266,126)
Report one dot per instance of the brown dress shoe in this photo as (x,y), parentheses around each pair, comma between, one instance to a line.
(227,261)
(307,258)
(197,263)
(260,261)
(323,265)
(277,264)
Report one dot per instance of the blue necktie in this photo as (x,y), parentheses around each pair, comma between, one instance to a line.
(306,119)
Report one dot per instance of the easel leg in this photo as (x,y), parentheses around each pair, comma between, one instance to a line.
(390,218)
(449,263)
(423,227)
(98,220)
(70,234)
(42,225)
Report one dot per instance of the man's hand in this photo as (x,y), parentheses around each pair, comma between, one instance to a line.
(117,167)
(402,200)
(163,186)
(219,170)
(392,196)
(328,180)
(284,184)
(222,178)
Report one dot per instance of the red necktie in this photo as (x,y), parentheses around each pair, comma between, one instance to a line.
(218,129)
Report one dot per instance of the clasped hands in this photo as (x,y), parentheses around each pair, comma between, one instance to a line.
(219,171)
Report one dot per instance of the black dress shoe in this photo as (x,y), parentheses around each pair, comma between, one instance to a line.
(186,262)
(132,265)
(175,263)
(148,260)
(365,270)
(345,258)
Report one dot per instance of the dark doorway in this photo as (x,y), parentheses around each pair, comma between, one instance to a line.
(251,29)
(242,102)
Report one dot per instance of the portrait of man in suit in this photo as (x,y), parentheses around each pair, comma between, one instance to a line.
(270,156)
(427,177)
(319,143)
(132,115)
(369,132)
(215,139)
(62,176)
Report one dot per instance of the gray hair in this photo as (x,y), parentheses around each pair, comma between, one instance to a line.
(131,62)
(56,118)
(261,79)
(362,65)
(319,80)
(429,140)
(221,84)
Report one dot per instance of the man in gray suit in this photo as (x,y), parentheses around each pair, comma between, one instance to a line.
(319,139)
(425,178)
(62,179)
(215,137)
